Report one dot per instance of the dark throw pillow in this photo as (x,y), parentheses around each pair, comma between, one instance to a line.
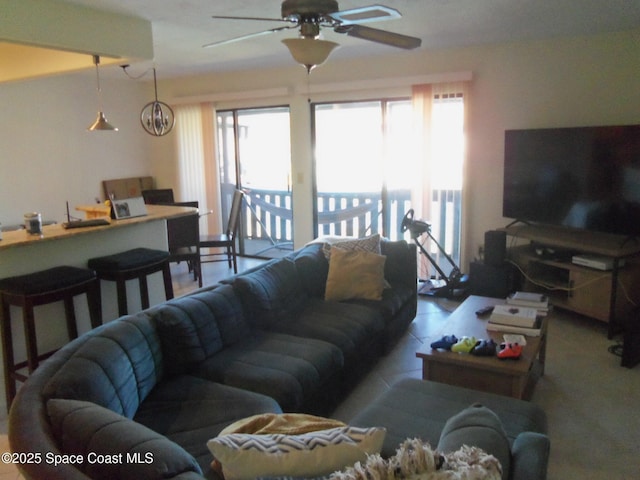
(477,426)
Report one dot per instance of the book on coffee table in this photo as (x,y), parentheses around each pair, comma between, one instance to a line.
(514,315)
(529,299)
(533,331)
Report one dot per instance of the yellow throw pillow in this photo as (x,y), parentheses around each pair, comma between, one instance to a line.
(287,423)
(354,274)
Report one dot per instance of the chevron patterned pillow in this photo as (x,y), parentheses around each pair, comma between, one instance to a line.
(246,456)
(367,244)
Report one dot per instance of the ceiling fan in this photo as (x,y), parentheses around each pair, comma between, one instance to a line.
(310,15)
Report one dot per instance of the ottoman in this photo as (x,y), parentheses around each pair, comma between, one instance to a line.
(414,408)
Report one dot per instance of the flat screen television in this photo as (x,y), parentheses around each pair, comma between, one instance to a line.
(583,177)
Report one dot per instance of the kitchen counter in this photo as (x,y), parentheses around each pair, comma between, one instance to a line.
(56,231)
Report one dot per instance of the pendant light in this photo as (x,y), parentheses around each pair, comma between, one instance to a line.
(156,117)
(101,123)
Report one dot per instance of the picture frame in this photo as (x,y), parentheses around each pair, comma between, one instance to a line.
(128,208)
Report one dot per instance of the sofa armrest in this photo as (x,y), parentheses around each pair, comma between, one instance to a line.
(530,456)
(120,448)
(401,267)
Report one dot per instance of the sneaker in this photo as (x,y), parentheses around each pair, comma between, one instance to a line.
(445,343)
(464,345)
(510,351)
(485,348)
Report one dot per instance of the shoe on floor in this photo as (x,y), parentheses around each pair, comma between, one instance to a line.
(485,348)
(510,351)
(445,343)
(464,345)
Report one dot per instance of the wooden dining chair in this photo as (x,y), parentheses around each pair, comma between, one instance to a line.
(183,235)
(226,240)
(158,196)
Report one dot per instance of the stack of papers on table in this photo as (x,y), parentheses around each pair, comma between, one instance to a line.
(538,301)
(515,319)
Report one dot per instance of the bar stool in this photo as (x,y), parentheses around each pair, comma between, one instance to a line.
(40,288)
(131,264)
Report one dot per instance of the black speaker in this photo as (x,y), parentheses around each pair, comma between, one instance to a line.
(631,338)
(495,248)
(491,281)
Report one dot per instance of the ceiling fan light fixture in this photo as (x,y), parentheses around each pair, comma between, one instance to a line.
(309,52)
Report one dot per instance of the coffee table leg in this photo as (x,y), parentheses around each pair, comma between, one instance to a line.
(542,355)
(425,369)
(518,385)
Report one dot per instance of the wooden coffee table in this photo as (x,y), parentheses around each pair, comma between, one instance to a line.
(515,378)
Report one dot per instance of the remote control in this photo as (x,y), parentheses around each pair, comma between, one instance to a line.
(484,311)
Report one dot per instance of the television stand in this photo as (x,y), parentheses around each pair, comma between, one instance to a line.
(606,295)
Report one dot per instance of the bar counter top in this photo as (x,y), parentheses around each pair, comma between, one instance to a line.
(58,232)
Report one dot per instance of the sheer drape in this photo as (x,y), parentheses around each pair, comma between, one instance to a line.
(197,164)
(438,150)
(422,100)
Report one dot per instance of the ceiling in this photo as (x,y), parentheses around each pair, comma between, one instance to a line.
(181,27)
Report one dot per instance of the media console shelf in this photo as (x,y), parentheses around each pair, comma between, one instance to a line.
(605,295)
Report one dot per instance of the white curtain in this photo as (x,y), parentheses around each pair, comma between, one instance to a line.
(197,164)
(433,168)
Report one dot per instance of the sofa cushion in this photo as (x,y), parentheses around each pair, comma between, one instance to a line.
(189,411)
(195,327)
(355,274)
(115,368)
(354,329)
(479,427)
(313,268)
(246,457)
(271,293)
(121,448)
(292,370)
(391,302)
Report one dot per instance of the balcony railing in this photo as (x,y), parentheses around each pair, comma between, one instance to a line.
(268,218)
(360,214)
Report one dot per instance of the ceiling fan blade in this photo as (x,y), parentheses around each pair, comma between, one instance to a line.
(371,13)
(224,17)
(250,35)
(380,36)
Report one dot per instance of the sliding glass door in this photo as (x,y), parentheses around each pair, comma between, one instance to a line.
(255,155)
(363,167)
(369,170)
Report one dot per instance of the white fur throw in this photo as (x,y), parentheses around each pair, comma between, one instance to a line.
(415,460)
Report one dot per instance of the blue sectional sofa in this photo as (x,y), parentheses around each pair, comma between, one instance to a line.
(139,397)
(175,375)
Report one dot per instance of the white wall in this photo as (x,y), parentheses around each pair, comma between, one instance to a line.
(561,82)
(47,157)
